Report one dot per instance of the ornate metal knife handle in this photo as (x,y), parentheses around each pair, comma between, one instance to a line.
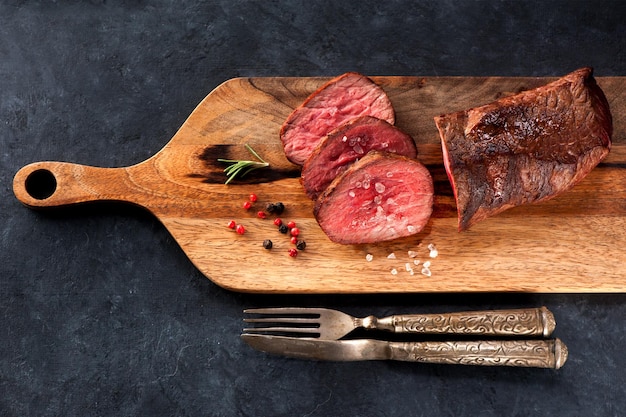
(519,322)
(521,353)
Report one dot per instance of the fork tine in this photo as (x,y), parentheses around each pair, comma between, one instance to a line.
(282,330)
(296,320)
(285,310)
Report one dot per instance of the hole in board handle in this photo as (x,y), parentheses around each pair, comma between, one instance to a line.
(41,184)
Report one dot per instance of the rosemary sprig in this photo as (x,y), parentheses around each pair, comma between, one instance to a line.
(242,167)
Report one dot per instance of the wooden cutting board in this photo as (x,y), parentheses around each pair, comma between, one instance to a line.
(574,243)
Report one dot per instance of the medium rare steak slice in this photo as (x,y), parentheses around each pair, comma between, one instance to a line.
(343,98)
(379,198)
(349,142)
(525,148)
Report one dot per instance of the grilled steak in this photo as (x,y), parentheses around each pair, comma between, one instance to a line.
(379,198)
(343,98)
(349,142)
(525,148)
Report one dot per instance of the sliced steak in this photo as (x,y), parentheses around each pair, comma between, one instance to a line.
(349,142)
(379,198)
(525,148)
(339,100)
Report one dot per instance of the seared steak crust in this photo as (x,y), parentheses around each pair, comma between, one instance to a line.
(343,98)
(379,198)
(525,148)
(346,144)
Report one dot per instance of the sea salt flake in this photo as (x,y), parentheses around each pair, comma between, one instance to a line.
(410,228)
(391,256)
(344,139)
(426,271)
(416,262)
(433,253)
(369,257)
(407,266)
(394,271)
(352,194)
(427,264)
(412,254)
(379,187)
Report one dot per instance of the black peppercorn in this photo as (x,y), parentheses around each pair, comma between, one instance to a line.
(283,228)
(279,208)
(270,208)
(267,244)
(300,244)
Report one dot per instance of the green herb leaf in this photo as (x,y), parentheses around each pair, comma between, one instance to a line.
(242,167)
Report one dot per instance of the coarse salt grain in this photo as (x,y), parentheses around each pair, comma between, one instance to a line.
(427,264)
(394,271)
(433,250)
(369,257)
(407,266)
(416,262)
(412,254)
(391,256)
(426,271)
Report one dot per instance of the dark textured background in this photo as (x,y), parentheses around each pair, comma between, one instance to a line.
(103,315)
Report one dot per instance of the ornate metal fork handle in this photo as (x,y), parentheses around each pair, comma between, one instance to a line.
(521,322)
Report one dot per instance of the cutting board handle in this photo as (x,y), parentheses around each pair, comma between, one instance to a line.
(52,184)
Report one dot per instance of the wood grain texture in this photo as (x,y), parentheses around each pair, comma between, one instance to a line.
(573,243)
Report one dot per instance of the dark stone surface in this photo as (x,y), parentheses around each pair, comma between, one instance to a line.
(103,315)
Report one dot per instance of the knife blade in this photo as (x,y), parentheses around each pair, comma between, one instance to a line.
(519,353)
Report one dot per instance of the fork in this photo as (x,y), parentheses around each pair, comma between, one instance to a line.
(330,324)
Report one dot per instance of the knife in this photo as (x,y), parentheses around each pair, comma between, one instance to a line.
(519,353)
